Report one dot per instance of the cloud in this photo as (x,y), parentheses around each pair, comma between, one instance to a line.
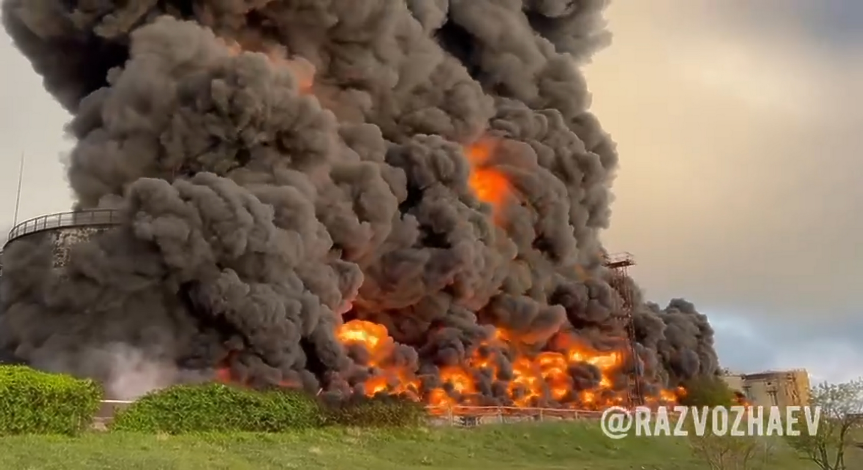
(748,343)
(739,170)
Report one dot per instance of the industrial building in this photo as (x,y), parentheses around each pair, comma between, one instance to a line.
(772,388)
(64,230)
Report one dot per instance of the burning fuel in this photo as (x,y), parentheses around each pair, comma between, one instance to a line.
(400,197)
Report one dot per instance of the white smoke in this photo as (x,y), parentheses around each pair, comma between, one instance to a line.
(133,375)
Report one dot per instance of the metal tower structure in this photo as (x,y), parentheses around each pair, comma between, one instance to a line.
(619,264)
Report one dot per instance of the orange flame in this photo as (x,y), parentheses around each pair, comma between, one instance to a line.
(488,183)
(376,341)
(740,399)
(372,336)
(223,375)
(535,378)
(302,70)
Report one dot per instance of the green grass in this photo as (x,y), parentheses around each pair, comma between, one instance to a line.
(540,446)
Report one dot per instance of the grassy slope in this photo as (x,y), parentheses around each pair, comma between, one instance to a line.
(570,446)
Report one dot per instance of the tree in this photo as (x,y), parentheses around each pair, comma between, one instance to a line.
(731,452)
(719,448)
(841,415)
(707,391)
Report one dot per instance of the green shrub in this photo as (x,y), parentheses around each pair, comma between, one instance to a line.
(35,402)
(382,411)
(218,408)
(707,391)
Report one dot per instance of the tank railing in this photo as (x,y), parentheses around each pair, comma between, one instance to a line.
(621,257)
(65,219)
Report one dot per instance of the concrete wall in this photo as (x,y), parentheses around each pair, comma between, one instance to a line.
(734,382)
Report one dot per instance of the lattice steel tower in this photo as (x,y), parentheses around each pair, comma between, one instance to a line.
(619,264)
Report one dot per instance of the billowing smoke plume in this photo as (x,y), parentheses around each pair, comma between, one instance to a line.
(296,176)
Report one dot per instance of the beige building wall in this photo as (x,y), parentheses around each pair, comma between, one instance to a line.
(734,381)
(774,388)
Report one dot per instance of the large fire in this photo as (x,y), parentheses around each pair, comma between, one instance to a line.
(536,378)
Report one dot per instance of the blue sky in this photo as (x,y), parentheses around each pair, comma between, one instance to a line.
(739,187)
(837,22)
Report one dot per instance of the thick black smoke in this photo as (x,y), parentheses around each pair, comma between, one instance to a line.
(262,211)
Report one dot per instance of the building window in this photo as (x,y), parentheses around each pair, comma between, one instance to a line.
(774,400)
(747,391)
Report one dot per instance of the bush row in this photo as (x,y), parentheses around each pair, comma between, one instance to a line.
(34,402)
(219,408)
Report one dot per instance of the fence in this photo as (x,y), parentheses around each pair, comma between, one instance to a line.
(65,219)
(469,416)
